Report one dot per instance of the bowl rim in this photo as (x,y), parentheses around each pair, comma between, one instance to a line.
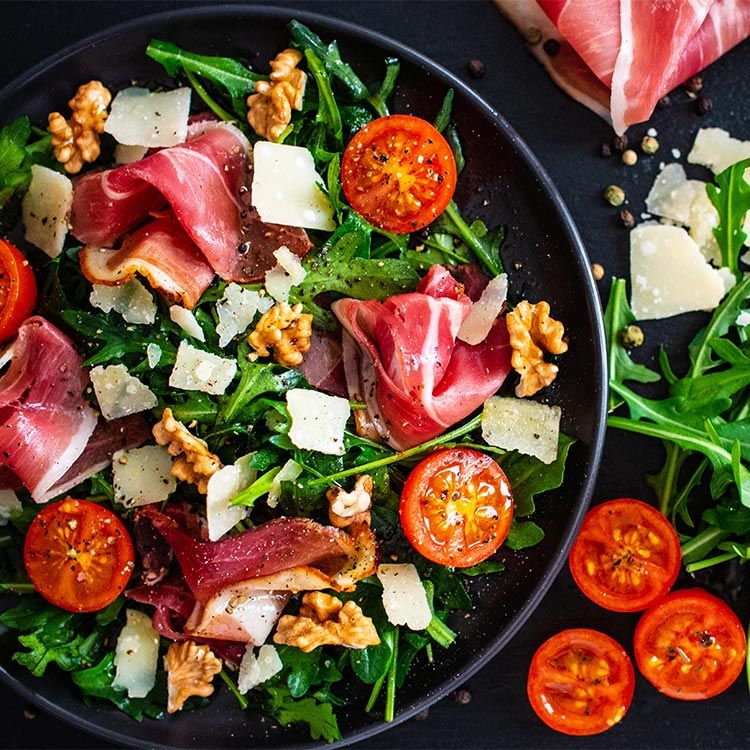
(594,311)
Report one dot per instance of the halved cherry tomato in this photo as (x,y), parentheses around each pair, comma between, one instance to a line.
(78,555)
(17,290)
(626,555)
(399,173)
(690,645)
(580,682)
(456,507)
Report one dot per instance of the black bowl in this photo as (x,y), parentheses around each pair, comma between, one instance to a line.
(503,183)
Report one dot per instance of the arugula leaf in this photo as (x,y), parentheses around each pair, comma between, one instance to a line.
(451,135)
(731,199)
(523,534)
(328,111)
(443,117)
(665,482)
(379,99)
(485,247)
(319,717)
(483,568)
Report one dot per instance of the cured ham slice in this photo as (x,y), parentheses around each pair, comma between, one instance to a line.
(323,365)
(403,360)
(46,423)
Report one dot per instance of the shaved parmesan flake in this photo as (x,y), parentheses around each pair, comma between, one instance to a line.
(187,321)
(129,154)
(255,670)
(153,355)
(45,209)
(484,311)
(225,484)
(131,299)
(142,476)
(318,420)
(716,149)
(743,319)
(288,473)
(286,188)
(703,219)
(9,506)
(669,275)
(404,598)
(119,393)
(196,370)
(517,424)
(672,194)
(136,655)
(139,118)
(287,273)
(237,309)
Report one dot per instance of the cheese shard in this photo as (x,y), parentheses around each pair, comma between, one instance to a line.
(669,275)
(286,188)
(138,117)
(10,505)
(716,149)
(287,273)
(518,424)
(129,154)
(45,209)
(237,309)
(131,299)
(704,218)
(404,598)
(318,420)
(255,670)
(672,194)
(153,355)
(119,393)
(186,320)
(136,655)
(288,473)
(142,476)
(484,311)
(225,484)
(196,370)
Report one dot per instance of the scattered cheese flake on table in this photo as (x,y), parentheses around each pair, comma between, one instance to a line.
(129,154)
(672,194)
(484,311)
(141,476)
(286,188)
(716,149)
(255,670)
(9,506)
(141,118)
(196,370)
(131,299)
(517,424)
(136,655)
(45,209)
(404,598)
(119,393)
(287,273)
(669,275)
(288,473)
(225,484)
(186,320)
(318,420)
(237,309)
(153,355)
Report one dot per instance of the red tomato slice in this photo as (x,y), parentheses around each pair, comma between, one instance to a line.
(17,290)
(456,507)
(626,556)
(580,682)
(78,555)
(690,645)
(399,173)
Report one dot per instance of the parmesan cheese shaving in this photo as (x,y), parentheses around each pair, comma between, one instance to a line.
(288,473)
(142,476)
(45,209)
(672,194)
(287,273)
(255,670)
(225,484)
(236,310)
(131,299)
(136,655)
(129,154)
(119,393)
(196,370)
(318,420)
(10,505)
(404,598)
(186,320)
(716,149)
(484,311)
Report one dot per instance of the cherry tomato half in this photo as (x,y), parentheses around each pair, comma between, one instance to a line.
(78,555)
(17,290)
(399,173)
(456,507)
(580,682)
(690,645)
(626,556)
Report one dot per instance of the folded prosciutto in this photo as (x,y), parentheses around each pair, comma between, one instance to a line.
(638,50)
(403,360)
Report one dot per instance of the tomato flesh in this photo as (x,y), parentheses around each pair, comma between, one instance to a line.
(690,645)
(580,682)
(17,290)
(399,173)
(626,556)
(456,507)
(78,555)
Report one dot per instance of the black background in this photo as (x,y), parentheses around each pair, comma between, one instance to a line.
(566,138)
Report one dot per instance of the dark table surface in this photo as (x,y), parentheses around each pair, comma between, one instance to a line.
(566,138)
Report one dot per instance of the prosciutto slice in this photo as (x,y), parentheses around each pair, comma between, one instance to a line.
(637,49)
(403,360)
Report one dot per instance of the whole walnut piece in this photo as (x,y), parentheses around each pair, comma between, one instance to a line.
(532,332)
(75,141)
(286,330)
(190,671)
(193,461)
(269,109)
(324,621)
(347,508)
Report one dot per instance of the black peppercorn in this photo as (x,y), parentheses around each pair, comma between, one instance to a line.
(605,150)
(620,143)
(475,68)
(424,234)
(551,47)
(704,105)
(462,696)
(627,218)
(693,84)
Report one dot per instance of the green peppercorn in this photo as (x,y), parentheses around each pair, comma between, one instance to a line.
(632,337)
(614,195)
(649,145)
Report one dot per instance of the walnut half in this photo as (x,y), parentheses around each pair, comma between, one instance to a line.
(346,508)
(286,330)
(532,332)
(324,621)
(190,670)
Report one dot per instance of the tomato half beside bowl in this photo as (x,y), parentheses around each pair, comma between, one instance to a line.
(17,290)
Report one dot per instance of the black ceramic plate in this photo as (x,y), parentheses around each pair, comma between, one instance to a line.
(502,183)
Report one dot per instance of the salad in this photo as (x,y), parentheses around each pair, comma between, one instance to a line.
(265,390)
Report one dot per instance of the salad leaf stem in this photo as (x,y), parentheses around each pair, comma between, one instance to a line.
(208,100)
(491,264)
(443,117)
(440,632)
(701,544)
(390,695)
(709,562)
(233,689)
